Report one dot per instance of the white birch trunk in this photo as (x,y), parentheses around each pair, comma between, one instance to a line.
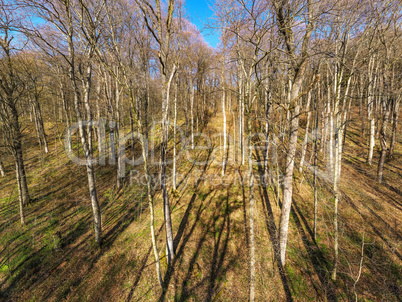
(174,138)
(305,141)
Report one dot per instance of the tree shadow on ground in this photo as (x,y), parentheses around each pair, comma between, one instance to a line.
(272,228)
(61,239)
(317,258)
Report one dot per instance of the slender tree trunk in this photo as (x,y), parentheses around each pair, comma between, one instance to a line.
(166,207)
(224,130)
(234,138)
(305,141)
(144,148)
(21,176)
(32,112)
(252,240)
(361,105)
(100,128)
(39,123)
(331,132)
(86,140)
(288,182)
(242,138)
(2,171)
(132,132)
(85,132)
(144,145)
(370,111)
(324,132)
(19,162)
(94,203)
(267,120)
(338,142)
(23,193)
(192,111)
(315,170)
(20,192)
(383,139)
(248,99)
(174,138)
(122,149)
(66,109)
(395,115)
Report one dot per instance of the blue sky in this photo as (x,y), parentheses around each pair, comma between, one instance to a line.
(200,13)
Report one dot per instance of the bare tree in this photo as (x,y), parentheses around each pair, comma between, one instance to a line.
(286,12)
(161,29)
(64,17)
(12,90)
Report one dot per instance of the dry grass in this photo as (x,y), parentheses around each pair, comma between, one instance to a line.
(210,222)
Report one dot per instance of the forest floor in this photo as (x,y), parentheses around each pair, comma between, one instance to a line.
(54,257)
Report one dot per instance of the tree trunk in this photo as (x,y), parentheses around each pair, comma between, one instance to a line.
(121,148)
(315,170)
(224,131)
(166,206)
(174,138)
(2,171)
(288,181)
(383,139)
(267,117)
(331,130)
(19,162)
(370,111)
(192,111)
(85,132)
(361,106)
(252,240)
(39,123)
(305,141)
(100,128)
(94,202)
(67,116)
(20,192)
(395,116)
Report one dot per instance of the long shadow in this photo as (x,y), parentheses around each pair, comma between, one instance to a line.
(37,259)
(397,204)
(112,234)
(379,234)
(48,193)
(35,264)
(29,265)
(219,256)
(183,226)
(320,264)
(193,262)
(220,253)
(376,259)
(207,163)
(273,231)
(179,253)
(184,220)
(244,209)
(138,276)
(131,213)
(170,270)
(393,189)
(120,226)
